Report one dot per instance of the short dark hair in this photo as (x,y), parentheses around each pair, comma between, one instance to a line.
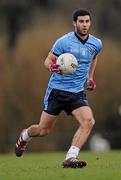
(80,12)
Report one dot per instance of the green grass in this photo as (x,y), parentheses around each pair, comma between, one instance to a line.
(47,166)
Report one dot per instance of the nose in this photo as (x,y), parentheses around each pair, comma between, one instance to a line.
(84,24)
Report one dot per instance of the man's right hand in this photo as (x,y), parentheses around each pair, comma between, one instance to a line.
(53,67)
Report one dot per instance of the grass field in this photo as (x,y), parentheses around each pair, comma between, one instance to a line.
(47,166)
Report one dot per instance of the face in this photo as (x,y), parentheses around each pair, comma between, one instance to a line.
(82,25)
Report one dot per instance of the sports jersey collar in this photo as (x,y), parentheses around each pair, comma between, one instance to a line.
(82,41)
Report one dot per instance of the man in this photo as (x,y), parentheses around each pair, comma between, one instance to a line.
(67,91)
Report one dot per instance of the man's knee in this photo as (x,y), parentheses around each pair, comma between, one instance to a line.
(44,131)
(90,123)
(87,123)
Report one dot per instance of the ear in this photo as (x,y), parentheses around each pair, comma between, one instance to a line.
(74,23)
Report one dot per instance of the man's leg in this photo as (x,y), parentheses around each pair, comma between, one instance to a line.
(47,122)
(86,121)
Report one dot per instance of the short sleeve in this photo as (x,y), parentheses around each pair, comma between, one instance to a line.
(99,45)
(58,47)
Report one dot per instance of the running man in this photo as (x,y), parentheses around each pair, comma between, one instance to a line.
(68,91)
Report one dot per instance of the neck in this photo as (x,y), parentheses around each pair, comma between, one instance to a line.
(82,40)
(83,37)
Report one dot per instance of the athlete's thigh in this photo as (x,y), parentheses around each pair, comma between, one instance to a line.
(47,120)
(83,113)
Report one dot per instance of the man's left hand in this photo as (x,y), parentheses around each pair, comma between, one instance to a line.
(90,85)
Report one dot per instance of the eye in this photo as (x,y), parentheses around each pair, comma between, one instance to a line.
(81,21)
(87,21)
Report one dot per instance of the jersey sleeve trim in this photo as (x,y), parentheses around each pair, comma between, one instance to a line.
(55,54)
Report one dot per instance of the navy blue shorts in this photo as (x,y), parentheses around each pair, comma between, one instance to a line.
(57,100)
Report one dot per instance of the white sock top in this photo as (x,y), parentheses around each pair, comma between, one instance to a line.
(25,135)
(72,152)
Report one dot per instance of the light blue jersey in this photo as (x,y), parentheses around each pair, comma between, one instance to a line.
(85,52)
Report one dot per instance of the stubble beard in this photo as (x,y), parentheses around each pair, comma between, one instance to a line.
(81,34)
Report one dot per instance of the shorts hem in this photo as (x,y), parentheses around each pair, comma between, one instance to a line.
(76,107)
(51,113)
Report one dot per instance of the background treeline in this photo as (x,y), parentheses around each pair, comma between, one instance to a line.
(27,31)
